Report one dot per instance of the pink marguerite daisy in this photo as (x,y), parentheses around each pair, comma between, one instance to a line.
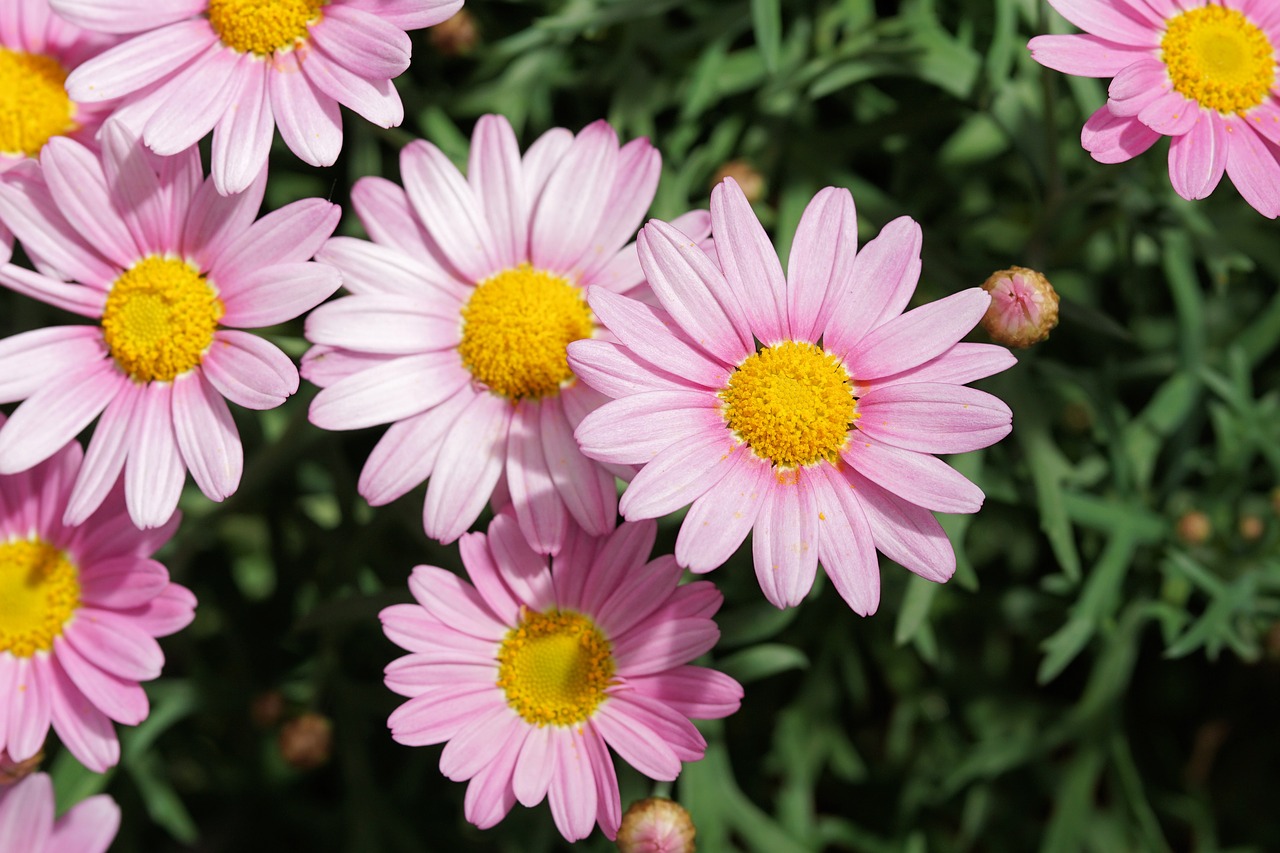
(27,821)
(242,68)
(820,439)
(1204,72)
(538,664)
(459,315)
(148,248)
(80,608)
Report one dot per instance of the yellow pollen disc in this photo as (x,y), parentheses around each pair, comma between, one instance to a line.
(554,667)
(263,26)
(39,592)
(1219,59)
(792,403)
(515,328)
(159,319)
(33,102)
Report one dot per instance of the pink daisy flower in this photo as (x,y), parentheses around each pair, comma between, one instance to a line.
(80,608)
(532,671)
(163,263)
(1206,74)
(819,439)
(37,50)
(27,824)
(242,68)
(459,315)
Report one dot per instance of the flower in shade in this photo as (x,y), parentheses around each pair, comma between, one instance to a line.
(80,608)
(163,263)
(1206,74)
(242,68)
(27,824)
(821,438)
(37,50)
(459,315)
(530,670)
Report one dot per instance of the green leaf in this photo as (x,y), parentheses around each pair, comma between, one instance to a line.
(762,661)
(766,19)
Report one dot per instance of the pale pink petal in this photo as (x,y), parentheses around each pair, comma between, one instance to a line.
(750,263)
(482,739)
(396,389)
(644,330)
(614,370)
(86,732)
(27,208)
(1253,168)
(138,194)
(586,488)
(445,202)
(679,475)
(821,262)
(524,572)
(666,642)
(436,716)
(1171,114)
(784,541)
(384,323)
(277,293)
(79,188)
(207,436)
(122,582)
(139,61)
(1197,159)
(846,545)
(568,210)
(469,465)
(489,795)
(388,216)
(310,122)
(374,100)
(372,269)
(917,477)
(639,167)
(1112,139)
(609,803)
(543,517)
(620,555)
(215,220)
(622,724)
(638,593)
(489,579)
(1265,119)
(194,100)
(31,360)
(56,414)
(885,273)
(412,628)
(694,292)
(120,699)
(409,14)
(125,16)
(324,365)
(1108,20)
(167,613)
(154,472)
(455,602)
(906,533)
(362,42)
(293,233)
(85,301)
(916,336)
(535,767)
(636,428)
(29,707)
(1137,85)
(498,184)
(694,691)
(961,364)
(933,418)
(669,726)
(249,371)
(407,452)
(242,138)
(88,827)
(572,795)
(541,159)
(26,816)
(1084,55)
(718,522)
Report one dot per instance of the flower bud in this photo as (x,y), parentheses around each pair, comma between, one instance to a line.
(656,825)
(13,772)
(456,36)
(1251,527)
(1194,528)
(749,179)
(1024,307)
(306,740)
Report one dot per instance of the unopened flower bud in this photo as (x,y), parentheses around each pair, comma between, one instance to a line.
(1194,528)
(1251,527)
(456,36)
(1024,307)
(749,179)
(306,741)
(656,825)
(13,772)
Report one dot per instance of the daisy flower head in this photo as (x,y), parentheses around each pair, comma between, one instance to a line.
(242,68)
(1205,73)
(148,249)
(27,823)
(460,311)
(538,664)
(80,608)
(805,408)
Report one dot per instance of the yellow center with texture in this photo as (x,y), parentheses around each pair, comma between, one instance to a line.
(263,26)
(792,403)
(159,319)
(1219,59)
(39,592)
(555,667)
(515,329)
(33,102)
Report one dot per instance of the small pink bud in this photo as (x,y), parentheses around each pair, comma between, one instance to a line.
(656,825)
(1024,307)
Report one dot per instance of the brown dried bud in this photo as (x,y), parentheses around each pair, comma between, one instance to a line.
(306,741)
(1024,307)
(12,772)
(1194,528)
(456,36)
(656,825)
(749,179)
(1251,527)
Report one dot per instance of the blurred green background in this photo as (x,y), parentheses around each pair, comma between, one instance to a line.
(1102,674)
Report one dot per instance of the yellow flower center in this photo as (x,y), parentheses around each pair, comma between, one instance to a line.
(1219,59)
(792,403)
(515,329)
(33,102)
(554,667)
(159,319)
(39,592)
(263,26)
